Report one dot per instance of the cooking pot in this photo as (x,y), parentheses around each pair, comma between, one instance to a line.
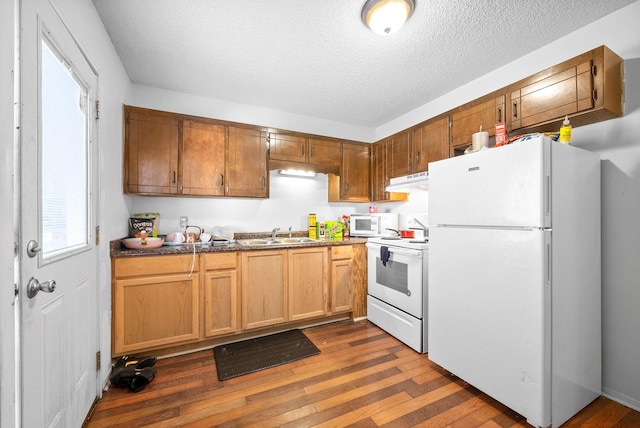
(405,233)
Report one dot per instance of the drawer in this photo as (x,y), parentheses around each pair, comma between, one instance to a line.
(153,265)
(227,260)
(341,252)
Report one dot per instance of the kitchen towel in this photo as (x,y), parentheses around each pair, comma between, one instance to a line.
(384,255)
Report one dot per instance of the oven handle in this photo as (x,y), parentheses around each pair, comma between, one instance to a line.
(397,250)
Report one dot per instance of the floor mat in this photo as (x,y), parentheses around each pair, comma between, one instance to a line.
(248,356)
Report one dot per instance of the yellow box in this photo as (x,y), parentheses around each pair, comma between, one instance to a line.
(333,230)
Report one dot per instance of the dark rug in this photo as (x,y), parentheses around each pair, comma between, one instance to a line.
(248,356)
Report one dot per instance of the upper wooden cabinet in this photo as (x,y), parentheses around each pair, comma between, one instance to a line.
(203,152)
(482,114)
(247,163)
(291,151)
(171,154)
(287,147)
(150,152)
(587,88)
(380,175)
(430,143)
(354,183)
(399,154)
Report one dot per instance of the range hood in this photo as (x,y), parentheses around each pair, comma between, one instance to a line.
(406,183)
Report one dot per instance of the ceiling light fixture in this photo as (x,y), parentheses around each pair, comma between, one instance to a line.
(297,173)
(386,16)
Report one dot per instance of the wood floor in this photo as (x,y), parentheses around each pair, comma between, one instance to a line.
(363,377)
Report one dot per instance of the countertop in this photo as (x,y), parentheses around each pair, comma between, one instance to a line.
(118,250)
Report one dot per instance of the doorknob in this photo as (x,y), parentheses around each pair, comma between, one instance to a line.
(34,286)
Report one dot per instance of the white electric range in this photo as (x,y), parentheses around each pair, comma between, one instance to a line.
(397,288)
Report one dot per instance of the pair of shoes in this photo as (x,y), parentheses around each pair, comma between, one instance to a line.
(132,372)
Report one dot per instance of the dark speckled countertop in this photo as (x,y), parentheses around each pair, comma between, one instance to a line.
(119,250)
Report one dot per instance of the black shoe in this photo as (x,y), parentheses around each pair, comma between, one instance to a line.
(130,377)
(137,362)
(141,378)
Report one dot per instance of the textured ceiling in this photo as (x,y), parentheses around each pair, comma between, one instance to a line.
(316,58)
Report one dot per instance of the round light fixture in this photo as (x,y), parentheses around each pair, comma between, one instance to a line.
(386,16)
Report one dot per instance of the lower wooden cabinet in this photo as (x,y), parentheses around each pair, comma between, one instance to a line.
(160,302)
(264,288)
(155,302)
(308,282)
(341,299)
(220,294)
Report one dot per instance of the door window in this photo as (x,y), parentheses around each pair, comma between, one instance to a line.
(64,213)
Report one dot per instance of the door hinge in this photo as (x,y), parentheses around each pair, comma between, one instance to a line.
(98,363)
(97,235)
(97,109)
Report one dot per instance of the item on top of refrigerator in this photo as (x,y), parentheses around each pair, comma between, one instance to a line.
(501,134)
(480,140)
(565,131)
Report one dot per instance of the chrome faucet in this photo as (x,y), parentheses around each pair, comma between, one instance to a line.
(274,231)
(289,232)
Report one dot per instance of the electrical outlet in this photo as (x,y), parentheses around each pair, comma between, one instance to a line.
(184,220)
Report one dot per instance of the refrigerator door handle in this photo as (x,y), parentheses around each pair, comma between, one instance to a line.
(547,199)
(547,264)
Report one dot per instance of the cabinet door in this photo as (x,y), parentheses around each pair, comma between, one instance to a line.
(308,283)
(264,288)
(399,155)
(247,163)
(151,152)
(287,147)
(563,93)
(324,152)
(355,181)
(430,144)
(470,120)
(379,178)
(154,311)
(220,302)
(341,279)
(221,294)
(202,159)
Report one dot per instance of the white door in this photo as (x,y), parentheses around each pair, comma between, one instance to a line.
(59,324)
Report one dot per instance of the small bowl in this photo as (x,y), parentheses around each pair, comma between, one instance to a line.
(136,243)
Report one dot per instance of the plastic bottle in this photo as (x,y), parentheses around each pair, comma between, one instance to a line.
(565,131)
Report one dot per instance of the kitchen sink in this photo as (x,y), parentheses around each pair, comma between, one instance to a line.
(277,241)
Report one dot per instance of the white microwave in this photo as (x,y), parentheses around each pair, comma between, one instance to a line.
(371,225)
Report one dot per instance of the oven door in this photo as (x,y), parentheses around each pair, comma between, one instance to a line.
(400,281)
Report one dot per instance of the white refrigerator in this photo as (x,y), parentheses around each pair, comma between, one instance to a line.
(514,275)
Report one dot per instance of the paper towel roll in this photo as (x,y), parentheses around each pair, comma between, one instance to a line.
(479,140)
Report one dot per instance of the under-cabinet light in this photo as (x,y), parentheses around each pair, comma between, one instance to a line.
(297,173)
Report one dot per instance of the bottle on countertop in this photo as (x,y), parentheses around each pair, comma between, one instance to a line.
(565,131)
(313,231)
